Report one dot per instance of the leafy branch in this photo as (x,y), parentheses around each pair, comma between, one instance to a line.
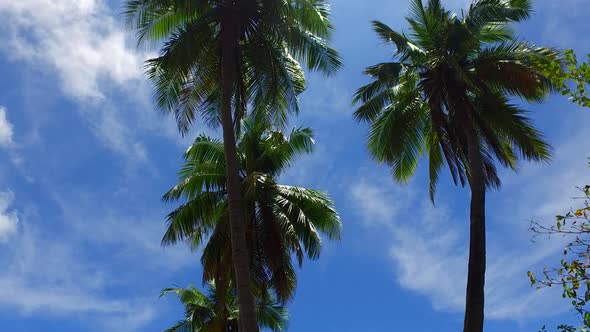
(570,77)
(572,274)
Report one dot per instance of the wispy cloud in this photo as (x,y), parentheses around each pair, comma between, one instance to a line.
(379,205)
(81,40)
(94,271)
(430,256)
(6,130)
(8,218)
(131,233)
(89,258)
(553,19)
(82,47)
(50,277)
(429,246)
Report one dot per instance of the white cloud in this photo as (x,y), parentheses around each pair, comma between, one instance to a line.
(56,300)
(557,23)
(430,257)
(86,52)
(429,252)
(79,39)
(41,275)
(378,204)
(92,271)
(430,244)
(8,219)
(6,131)
(114,132)
(133,234)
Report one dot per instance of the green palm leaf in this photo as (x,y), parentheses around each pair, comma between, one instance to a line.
(281,221)
(203,312)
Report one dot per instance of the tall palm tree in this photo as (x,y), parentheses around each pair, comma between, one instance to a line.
(280,220)
(203,313)
(224,54)
(446,94)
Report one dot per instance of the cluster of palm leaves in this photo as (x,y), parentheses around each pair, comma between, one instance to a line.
(447,94)
(215,311)
(281,221)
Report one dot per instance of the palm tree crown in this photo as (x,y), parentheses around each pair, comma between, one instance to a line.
(271,37)
(450,76)
(280,220)
(202,313)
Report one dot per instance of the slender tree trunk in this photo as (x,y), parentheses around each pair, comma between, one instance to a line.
(474,304)
(240,256)
(221,285)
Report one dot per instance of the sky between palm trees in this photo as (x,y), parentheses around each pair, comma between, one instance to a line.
(84,160)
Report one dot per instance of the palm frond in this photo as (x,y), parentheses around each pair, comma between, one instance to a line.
(396,136)
(156,20)
(309,212)
(272,315)
(185,75)
(512,122)
(435,160)
(278,151)
(512,67)
(313,51)
(273,79)
(181,326)
(194,218)
(388,35)
(484,12)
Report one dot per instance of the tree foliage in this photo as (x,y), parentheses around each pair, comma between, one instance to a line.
(450,74)
(282,222)
(274,37)
(221,58)
(448,94)
(203,312)
(573,274)
(570,77)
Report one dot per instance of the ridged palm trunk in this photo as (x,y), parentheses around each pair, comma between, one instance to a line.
(240,256)
(474,304)
(220,306)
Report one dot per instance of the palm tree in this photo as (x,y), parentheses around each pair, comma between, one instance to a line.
(219,54)
(446,94)
(203,314)
(280,220)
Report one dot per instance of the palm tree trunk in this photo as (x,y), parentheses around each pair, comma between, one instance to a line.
(240,256)
(221,285)
(474,303)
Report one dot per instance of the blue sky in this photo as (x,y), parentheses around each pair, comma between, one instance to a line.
(84,159)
